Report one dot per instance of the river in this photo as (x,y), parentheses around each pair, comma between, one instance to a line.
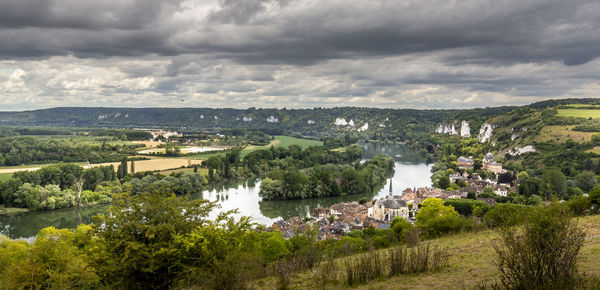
(410,171)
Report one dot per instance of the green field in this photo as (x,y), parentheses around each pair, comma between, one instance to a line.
(5,176)
(579,113)
(285,141)
(278,141)
(471,257)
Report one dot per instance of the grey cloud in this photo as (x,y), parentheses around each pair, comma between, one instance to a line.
(298,52)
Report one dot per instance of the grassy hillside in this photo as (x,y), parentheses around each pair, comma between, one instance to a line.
(471,262)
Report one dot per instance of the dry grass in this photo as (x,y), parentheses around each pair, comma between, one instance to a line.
(470,263)
(560,134)
(595,150)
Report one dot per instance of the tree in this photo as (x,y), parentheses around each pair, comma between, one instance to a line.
(431,208)
(586,180)
(79,185)
(522,176)
(555,183)
(444,182)
(157,231)
(122,169)
(132,166)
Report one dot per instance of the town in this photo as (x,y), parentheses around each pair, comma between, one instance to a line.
(341,218)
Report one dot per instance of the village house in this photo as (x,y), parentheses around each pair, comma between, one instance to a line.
(489,165)
(464,163)
(501,190)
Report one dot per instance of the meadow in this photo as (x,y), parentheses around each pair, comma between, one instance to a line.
(560,134)
(579,113)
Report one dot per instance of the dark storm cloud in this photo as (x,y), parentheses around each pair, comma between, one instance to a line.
(265,31)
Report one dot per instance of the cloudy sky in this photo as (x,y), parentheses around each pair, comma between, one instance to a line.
(296,53)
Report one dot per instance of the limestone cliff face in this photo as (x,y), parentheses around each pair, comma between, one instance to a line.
(446,129)
(340,122)
(485,133)
(465,130)
(522,150)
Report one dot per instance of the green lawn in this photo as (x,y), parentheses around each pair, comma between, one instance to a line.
(579,113)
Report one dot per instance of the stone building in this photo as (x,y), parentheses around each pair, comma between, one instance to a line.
(490,165)
(387,208)
(464,163)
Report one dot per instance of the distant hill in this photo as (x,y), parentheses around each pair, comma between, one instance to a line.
(311,122)
(304,121)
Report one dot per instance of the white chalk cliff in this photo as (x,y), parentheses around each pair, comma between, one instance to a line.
(465,130)
(485,133)
(340,122)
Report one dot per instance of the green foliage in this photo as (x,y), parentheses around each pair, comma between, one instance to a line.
(586,180)
(435,219)
(505,214)
(55,260)
(29,150)
(140,238)
(543,254)
(555,183)
(322,180)
(465,207)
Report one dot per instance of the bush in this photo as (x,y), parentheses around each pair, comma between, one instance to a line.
(579,204)
(446,224)
(465,206)
(543,253)
(505,214)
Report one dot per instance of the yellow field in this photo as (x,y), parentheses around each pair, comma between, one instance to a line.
(157,164)
(560,134)
(471,257)
(595,150)
(579,113)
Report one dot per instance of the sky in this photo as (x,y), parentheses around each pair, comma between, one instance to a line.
(296,53)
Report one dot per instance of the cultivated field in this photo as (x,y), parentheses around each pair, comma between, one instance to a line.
(158,164)
(561,134)
(471,257)
(579,113)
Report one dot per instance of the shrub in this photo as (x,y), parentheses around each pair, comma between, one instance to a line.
(579,204)
(505,214)
(543,253)
(465,206)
